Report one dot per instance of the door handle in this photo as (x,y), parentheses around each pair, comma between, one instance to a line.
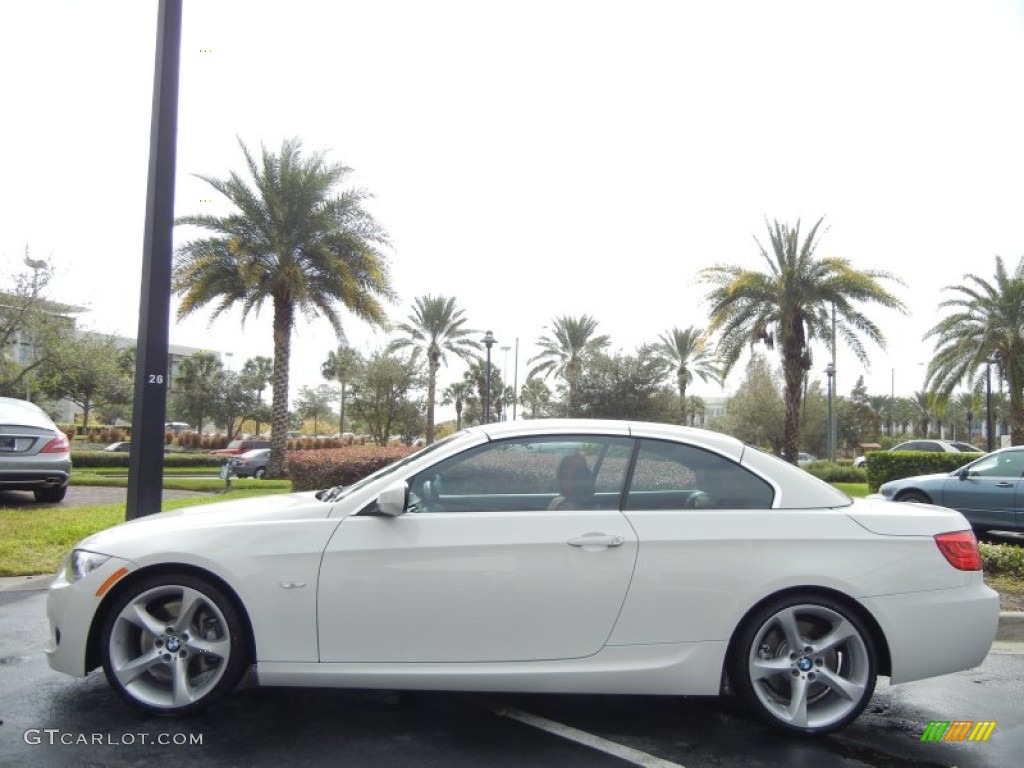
(596,540)
(1004,484)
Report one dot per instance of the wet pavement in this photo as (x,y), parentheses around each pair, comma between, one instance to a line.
(50,719)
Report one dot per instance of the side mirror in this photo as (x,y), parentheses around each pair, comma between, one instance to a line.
(963,473)
(393,498)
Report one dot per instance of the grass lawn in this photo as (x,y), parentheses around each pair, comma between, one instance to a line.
(36,540)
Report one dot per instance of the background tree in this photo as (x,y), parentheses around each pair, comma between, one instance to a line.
(292,242)
(860,422)
(381,395)
(756,413)
(625,387)
(923,403)
(197,389)
(340,366)
(535,397)
(790,304)
(564,349)
(256,374)
(315,403)
(30,326)
(686,354)
(434,328)
(986,323)
(476,376)
(970,403)
(233,402)
(695,408)
(86,370)
(457,393)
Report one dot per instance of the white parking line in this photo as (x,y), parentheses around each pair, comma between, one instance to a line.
(634,756)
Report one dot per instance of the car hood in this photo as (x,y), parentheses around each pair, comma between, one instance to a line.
(267,509)
(892,518)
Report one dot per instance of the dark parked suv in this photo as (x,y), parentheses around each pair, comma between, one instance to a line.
(34,455)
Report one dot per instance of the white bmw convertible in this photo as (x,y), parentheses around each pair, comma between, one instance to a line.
(537,556)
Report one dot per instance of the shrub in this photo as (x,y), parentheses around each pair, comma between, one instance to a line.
(1002,558)
(883,466)
(86,459)
(834,472)
(313,469)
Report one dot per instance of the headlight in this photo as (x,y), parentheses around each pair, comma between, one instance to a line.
(80,562)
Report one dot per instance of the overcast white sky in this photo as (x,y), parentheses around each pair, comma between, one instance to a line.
(537,158)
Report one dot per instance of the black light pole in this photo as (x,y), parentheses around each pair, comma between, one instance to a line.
(989,437)
(830,371)
(146,466)
(515,383)
(489,342)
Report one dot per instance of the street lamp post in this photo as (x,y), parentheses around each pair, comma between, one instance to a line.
(990,442)
(489,342)
(504,377)
(830,372)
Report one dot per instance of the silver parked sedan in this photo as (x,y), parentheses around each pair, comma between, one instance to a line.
(34,454)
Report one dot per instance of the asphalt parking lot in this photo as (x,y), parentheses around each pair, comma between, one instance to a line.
(49,719)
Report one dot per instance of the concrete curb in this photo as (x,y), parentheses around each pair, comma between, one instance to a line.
(1011,623)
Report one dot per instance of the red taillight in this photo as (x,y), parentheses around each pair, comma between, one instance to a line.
(960,548)
(57,445)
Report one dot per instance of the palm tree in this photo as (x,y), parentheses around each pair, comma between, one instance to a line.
(986,326)
(924,409)
(256,375)
(457,393)
(790,304)
(570,341)
(293,242)
(434,328)
(340,366)
(686,353)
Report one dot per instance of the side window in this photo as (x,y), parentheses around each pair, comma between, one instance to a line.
(567,472)
(675,476)
(1009,464)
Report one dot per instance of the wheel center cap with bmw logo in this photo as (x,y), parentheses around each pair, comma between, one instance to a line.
(173,644)
(805,664)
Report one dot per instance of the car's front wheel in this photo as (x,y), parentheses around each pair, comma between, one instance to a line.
(173,644)
(804,663)
(259,473)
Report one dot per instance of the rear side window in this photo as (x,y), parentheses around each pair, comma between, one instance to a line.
(675,476)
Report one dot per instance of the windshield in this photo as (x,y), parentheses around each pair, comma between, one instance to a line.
(341,491)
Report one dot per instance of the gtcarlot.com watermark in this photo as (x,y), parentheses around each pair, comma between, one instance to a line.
(55,736)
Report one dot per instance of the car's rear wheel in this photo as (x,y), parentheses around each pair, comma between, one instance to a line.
(259,473)
(915,496)
(51,493)
(173,644)
(804,663)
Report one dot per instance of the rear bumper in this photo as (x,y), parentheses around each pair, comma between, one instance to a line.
(934,633)
(31,479)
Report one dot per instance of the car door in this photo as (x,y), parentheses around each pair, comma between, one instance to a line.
(487,564)
(989,491)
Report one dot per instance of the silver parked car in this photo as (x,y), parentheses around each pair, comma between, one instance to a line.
(34,454)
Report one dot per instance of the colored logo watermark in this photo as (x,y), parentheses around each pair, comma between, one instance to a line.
(958,730)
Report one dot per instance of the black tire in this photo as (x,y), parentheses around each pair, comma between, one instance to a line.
(811,689)
(51,493)
(167,664)
(916,497)
(259,473)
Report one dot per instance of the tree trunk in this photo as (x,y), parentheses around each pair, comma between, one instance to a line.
(793,372)
(433,363)
(681,380)
(283,317)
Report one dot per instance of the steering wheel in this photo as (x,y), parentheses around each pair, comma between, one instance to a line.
(698,500)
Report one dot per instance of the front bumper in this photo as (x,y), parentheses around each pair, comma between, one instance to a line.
(71,609)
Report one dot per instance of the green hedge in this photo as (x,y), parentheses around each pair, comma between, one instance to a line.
(83,459)
(1002,558)
(327,467)
(883,466)
(834,472)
